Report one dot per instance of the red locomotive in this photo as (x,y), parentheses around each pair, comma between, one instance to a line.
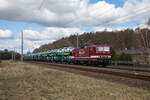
(92,55)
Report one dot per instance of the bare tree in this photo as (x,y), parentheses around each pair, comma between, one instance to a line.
(143,42)
(148,22)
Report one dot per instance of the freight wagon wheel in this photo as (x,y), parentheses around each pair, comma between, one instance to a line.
(73,62)
(104,65)
(76,62)
(95,64)
(80,63)
(88,63)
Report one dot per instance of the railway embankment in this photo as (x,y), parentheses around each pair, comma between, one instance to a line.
(24,81)
(133,78)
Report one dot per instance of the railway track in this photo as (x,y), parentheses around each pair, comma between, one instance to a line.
(114,73)
(130,69)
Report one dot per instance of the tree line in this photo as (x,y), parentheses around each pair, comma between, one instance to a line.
(118,40)
(7,55)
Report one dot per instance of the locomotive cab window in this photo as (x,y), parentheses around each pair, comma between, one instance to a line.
(100,48)
(106,49)
(103,49)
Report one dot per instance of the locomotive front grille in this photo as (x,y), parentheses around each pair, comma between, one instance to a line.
(101,57)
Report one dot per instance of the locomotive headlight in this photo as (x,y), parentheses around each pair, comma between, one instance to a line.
(95,56)
(109,56)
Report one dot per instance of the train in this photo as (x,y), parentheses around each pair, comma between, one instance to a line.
(89,55)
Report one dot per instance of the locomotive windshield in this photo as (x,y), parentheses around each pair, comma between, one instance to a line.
(106,49)
(103,48)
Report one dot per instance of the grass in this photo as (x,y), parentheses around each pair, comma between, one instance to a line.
(20,81)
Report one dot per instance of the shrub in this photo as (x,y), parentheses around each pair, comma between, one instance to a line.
(113,53)
(116,58)
(122,57)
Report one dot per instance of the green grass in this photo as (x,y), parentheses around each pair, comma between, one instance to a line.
(20,81)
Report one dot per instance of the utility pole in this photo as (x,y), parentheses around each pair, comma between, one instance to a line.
(14,54)
(22,46)
(77,41)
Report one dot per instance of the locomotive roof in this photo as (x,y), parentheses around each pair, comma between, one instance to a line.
(94,45)
(65,49)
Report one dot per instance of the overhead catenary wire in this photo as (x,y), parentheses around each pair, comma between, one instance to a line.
(41,4)
(125,17)
(104,13)
(22,33)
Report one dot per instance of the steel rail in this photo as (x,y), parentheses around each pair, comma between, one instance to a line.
(130,69)
(127,75)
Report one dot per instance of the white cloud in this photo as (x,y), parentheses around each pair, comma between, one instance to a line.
(16,45)
(32,35)
(34,38)
(6,34)
(50,33)
(60,13)
(10,44)
(121,28)
(133,10)
(141,26)
(108,29)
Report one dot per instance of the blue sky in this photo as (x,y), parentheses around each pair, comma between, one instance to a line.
(17,27)
(51,23)
(117,3)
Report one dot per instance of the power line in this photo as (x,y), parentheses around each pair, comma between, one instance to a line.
(104,13)
(41,4)
(128,16)
(125,16)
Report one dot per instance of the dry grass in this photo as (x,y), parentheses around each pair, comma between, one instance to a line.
(20,81)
